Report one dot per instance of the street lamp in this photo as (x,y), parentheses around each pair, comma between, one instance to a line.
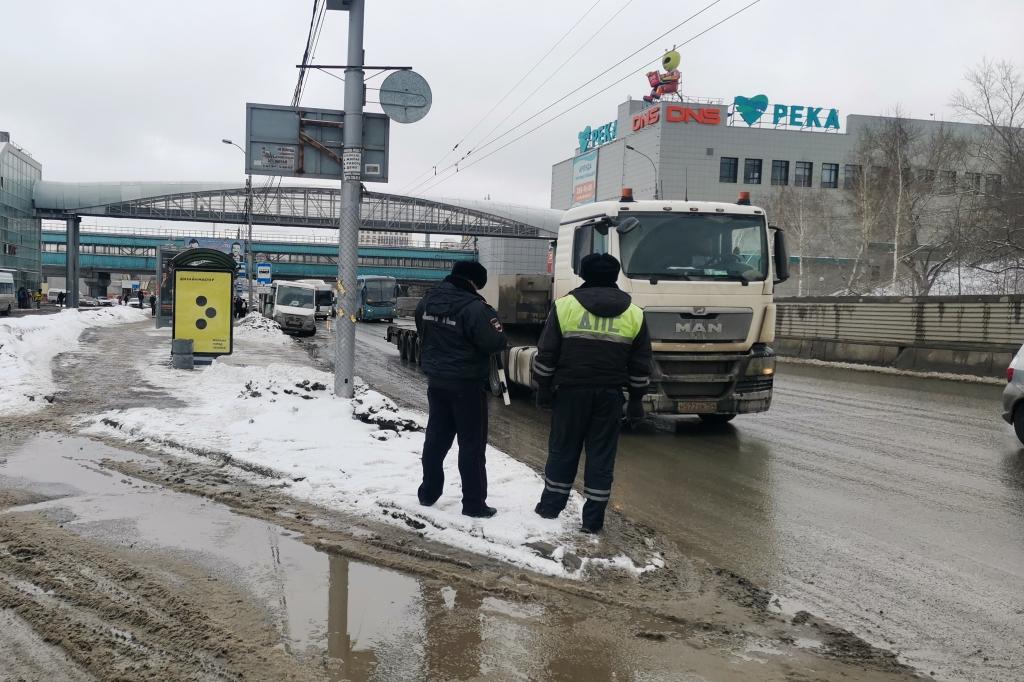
(653,166)
(248,220)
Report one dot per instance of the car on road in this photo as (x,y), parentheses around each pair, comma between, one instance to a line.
(87,302)
(1013,394)
(106,302)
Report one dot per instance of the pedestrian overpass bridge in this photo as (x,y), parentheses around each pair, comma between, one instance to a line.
(290,206)
(292,256)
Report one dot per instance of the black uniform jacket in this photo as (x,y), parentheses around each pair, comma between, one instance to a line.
(458,332)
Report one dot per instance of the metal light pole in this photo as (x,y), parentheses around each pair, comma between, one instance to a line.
(351,196)
(653,165)
(248,220)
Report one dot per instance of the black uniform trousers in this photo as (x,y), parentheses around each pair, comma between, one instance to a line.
(582,416)
(457,409)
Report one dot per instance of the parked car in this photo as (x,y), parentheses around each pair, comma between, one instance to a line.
(1013,395)
(87,302)
(106,302)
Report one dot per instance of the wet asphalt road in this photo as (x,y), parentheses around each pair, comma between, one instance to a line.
(893,506)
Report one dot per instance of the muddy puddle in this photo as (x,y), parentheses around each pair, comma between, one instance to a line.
(347,619)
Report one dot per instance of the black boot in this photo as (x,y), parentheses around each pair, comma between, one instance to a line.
(483,512)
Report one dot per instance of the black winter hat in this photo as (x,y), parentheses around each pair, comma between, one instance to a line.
(472,271)
(600,269)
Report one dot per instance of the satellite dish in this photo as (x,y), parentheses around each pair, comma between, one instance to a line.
(405,96)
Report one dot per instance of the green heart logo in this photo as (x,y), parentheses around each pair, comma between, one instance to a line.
(751,108)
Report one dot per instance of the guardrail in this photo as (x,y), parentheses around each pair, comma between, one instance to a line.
(966,334)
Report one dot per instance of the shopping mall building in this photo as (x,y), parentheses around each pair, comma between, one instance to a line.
(19,228)
(712,150)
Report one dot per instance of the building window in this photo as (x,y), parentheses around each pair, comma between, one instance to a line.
(804,173)
(780,172)
(994,184)
(829,175)
(728,168)
(851,176)
(973,182)
(947,182)
(752,171)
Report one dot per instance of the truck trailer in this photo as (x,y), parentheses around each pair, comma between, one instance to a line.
(703,273)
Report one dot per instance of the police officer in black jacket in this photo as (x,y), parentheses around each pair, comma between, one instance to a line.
(459,332)
(594,344)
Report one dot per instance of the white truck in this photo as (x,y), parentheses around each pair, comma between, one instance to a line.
(704,274)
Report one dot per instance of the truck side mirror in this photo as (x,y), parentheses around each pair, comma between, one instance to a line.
(627,225)
(781,256)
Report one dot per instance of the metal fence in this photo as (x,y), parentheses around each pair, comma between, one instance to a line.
(957,322)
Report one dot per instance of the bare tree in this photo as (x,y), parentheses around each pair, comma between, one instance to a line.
(994,97)
(909,193)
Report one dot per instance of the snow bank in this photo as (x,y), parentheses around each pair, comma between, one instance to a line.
(29,344)
(256,328)
(361,456)
(878,369)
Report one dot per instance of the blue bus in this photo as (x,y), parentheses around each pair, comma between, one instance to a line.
(378,295)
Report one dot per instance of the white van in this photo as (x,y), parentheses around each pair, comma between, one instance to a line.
(292,305)
(8,302)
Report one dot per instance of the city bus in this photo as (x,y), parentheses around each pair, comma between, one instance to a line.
(378,295)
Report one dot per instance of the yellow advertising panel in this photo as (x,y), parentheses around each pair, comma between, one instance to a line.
(202,310)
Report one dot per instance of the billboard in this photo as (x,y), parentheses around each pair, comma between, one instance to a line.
(202,310)
(236,247)
(584,179)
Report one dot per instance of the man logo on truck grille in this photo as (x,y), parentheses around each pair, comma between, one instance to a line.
(698,327)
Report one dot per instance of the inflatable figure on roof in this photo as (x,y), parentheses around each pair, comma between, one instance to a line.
(664,83)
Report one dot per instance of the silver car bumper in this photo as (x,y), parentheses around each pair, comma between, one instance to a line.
(1012,395)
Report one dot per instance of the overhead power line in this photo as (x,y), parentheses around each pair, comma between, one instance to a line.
(574,106)
(510,90)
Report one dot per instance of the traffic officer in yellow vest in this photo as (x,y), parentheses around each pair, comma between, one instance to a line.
(594,344)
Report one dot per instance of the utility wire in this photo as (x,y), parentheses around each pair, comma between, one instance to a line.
(589,82)
(510,90)
(484,144)
(583,101)
(555,71)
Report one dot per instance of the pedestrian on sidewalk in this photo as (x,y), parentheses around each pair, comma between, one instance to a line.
(38,298)
(459,332)
(61,298)
(141,297)
(594,344)
(152,305)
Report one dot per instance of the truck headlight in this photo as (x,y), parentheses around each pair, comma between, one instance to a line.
(762,362)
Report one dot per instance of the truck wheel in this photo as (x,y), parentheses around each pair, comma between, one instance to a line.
(1018,423)
(415,350)
(401,347)
(493,380)
(716,419)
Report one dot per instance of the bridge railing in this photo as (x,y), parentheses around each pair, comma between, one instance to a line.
(262,235)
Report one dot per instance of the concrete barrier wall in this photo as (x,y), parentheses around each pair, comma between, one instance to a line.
(968,335)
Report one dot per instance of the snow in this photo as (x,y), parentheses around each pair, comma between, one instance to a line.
(259,329)
(997,278)
(879,369)
(360,456)
(28,345)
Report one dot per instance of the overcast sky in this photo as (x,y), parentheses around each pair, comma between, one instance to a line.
(129,90)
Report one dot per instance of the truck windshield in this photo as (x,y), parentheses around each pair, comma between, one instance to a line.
(324,298)
(380,291)
(696,246)
(295,296)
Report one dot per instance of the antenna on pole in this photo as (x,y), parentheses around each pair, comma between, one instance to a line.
(686,183)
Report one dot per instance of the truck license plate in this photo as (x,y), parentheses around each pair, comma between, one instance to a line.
(696,406)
